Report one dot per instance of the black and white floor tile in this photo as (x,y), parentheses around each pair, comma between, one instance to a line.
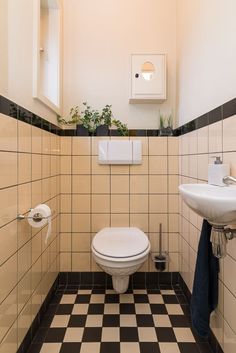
(101,321)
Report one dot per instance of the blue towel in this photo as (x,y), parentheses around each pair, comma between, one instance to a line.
(205,286)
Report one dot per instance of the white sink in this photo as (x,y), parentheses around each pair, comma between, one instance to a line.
(214,203)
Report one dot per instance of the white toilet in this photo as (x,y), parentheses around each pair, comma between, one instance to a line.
(120,252)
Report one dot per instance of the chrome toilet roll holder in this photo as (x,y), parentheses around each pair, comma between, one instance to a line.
(38,217)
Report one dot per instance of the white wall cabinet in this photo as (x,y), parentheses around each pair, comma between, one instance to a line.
(148,78)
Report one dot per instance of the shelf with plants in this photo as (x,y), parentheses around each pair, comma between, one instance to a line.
(91,122)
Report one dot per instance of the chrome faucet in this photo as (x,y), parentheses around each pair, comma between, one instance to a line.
(229,180)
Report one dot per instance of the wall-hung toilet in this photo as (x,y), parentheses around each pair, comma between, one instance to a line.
(120,252)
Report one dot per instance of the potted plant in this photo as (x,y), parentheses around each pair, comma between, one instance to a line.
(92,122)
(166,125)
(74,118)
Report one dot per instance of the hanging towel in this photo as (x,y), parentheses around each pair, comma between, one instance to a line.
(205,286)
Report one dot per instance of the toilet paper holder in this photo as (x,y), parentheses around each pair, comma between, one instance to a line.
(37,217)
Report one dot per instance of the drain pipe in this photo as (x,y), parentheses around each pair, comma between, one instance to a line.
(219,238)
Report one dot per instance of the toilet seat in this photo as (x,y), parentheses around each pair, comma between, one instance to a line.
(120,242)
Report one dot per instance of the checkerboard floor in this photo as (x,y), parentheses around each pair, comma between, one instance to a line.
(101,321)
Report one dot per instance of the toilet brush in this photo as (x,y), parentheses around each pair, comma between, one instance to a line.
(160,260)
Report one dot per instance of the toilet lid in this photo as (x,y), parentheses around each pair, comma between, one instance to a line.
(120,242)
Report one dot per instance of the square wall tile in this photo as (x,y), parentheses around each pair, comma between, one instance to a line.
(140,168)
(140,221)
(100,221)
(65,165)
(8,175)
(65,145)
(157,165)
(119,220)
(100,184)
(8,205)
(100,204)
(216,137)
(229,131)
(81,184)
(158,203)
(138,203)
(158,184)
(81,262)
(119,184)
(24,168)
(173,146)
(81,242)
(8,133)
(24,137)
(99,168)
(81,165)
(81,222)
(158,146)
(138,184)
(202,140)
(119,203)
(173,165)
(81,203)
(81,146)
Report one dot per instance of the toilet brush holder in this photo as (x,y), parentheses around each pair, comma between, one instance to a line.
(160,261)
(161,258)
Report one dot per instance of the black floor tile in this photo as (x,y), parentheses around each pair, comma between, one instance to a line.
(92,334)
(141,298)
(110,347)
(170,299)
(127,309)
(165,334)
(98,290)
(70,347)
(112,298)
(111,320)
(179,320)
(96,309)
(64,309)
(128,334)
(149,347)
(55,335)
(77,321)
(158,309)
(188,347)
(144,320)
(186,309)
(51,310)
(82,299)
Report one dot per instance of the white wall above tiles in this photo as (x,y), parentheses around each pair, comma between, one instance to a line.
(206,55)
(97,58)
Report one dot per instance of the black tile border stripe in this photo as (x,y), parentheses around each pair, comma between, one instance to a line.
(15,111)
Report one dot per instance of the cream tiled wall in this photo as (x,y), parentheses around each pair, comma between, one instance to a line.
(29,160)
(94,196)
(196,150)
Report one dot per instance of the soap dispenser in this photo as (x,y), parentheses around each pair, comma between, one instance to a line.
(217,171)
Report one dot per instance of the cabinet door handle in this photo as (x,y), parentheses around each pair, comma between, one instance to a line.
(136,75)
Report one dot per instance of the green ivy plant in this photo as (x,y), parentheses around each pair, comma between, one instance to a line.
(91,119)
(74,117)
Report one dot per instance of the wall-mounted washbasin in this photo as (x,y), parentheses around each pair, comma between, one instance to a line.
(214,203)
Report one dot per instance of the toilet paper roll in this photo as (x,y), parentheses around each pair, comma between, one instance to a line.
(40,216)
